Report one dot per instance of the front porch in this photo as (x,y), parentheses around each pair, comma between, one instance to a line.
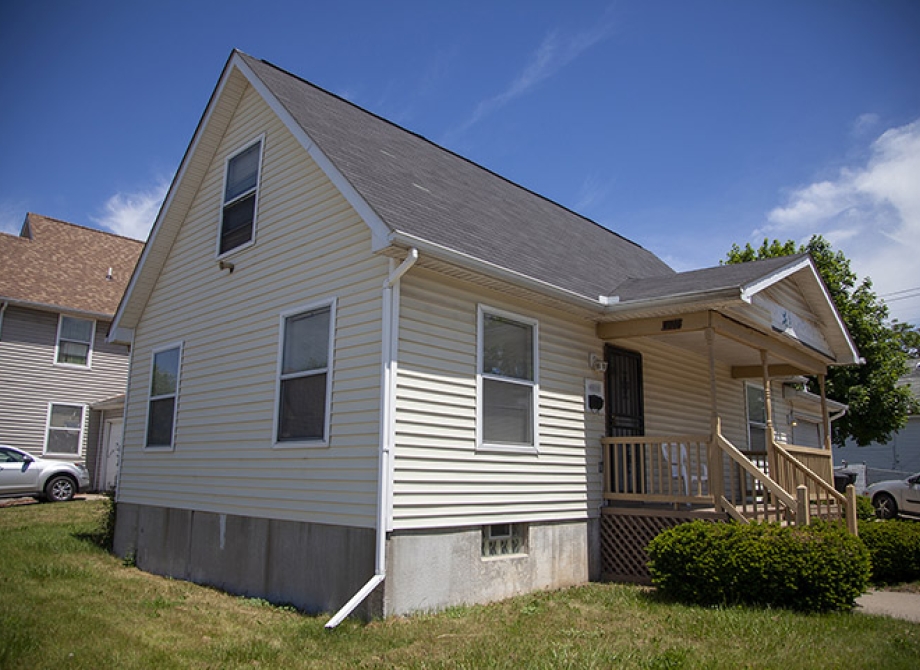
(654,479)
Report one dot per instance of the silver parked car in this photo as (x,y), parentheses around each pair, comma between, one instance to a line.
(22,474)
(896,497)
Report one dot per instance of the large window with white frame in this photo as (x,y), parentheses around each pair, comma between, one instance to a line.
(305,376)
(64,434)
(507,381)
(241,186)
(164,395)
(75,341)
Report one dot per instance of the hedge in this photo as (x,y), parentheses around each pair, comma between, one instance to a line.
(812,568)
(895,549)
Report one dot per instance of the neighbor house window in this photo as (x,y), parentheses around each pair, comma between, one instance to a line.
(164,392)
(507,380)
(65,429)
(757,418)
(304,376)
(241,185)
(504,539)
(75,341)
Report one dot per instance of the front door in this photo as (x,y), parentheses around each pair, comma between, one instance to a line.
(625,413)
(114,430)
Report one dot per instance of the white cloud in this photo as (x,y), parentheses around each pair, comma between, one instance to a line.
(871,212)
(554,53)
(133,214)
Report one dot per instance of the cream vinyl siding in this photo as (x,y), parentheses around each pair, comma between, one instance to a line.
(29,379)
(310,246)
(677,394)
(439,477)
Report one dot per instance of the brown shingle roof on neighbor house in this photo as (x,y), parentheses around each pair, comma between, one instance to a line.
(55,264)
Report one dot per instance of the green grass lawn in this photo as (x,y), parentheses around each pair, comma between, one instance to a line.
(65,603)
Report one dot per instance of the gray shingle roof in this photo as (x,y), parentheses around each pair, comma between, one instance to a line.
(705,280)
(421,189)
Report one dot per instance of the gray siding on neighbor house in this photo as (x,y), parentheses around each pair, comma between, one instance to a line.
(30,380)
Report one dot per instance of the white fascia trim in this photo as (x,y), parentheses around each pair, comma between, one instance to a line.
(706,299)
(379,230)
(170,196)
(493,270)
(748,290)
(60,309)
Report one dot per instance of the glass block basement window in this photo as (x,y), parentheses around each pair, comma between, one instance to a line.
(504,539)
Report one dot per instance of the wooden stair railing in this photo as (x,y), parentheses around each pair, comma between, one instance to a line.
(750,493)
(824,501)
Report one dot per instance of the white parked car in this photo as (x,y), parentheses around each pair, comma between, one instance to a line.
(22,474)
(896,497)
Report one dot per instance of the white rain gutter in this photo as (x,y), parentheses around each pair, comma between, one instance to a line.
(389,348)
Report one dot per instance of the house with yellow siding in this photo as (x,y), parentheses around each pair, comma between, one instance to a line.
(371,376)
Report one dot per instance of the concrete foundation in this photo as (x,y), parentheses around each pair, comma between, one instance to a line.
(315,567)
(318,568)
(433,569)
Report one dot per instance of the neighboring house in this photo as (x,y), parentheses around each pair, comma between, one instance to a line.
(369,373)
(899,457)
(60,285)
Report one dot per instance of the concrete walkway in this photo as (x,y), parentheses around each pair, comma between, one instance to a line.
(897,604)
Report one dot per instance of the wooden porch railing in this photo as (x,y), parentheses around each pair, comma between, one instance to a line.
(657,469)
(791,485)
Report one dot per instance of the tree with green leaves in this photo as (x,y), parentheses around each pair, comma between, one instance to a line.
(878,407)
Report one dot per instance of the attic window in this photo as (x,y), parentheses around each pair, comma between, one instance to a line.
(241,185)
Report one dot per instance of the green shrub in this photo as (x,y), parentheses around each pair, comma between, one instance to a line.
(894,546)
(813,568)
(864,509)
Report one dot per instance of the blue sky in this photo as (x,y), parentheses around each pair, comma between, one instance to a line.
(685,126)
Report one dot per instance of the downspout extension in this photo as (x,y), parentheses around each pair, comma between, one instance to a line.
(388,389)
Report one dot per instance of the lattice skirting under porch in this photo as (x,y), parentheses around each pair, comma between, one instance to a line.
(625,533)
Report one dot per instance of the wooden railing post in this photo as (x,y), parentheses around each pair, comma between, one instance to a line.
(852,526)
(802,506)
(716,474)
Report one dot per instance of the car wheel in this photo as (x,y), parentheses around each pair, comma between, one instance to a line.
(60,488)
(885,506)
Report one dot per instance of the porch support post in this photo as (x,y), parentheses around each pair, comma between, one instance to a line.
(825,417)
(768,410)
(716,481)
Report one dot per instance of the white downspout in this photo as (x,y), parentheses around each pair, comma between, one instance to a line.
(2,311)
(389,349)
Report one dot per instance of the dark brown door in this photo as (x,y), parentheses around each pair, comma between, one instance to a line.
(625,416)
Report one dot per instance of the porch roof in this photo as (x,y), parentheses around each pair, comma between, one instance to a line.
(777,305)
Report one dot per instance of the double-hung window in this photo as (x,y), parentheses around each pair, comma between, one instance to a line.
(65,429)
(508,381)
(75,341)
(164,393)
(304,376)
(241,185)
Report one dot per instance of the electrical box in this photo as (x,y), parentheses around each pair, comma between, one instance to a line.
(594,396)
